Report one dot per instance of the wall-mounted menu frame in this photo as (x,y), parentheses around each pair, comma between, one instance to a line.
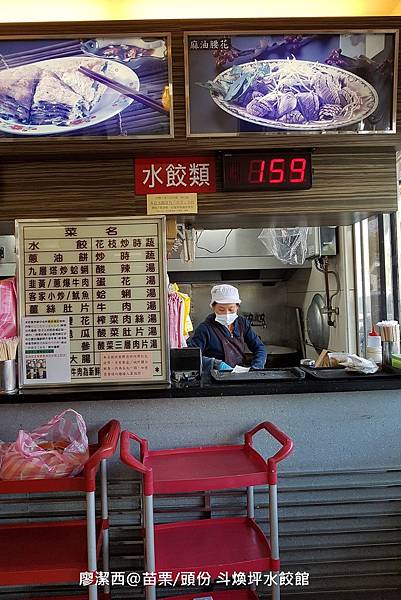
(103,280)
(264,83)
(43,94)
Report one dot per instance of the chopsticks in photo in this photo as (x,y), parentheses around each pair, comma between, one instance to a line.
(125,90)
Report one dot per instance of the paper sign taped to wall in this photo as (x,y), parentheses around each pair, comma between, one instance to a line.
(125,365)
(46,350)
(172,204)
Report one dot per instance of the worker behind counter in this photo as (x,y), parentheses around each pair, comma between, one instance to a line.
(224,333)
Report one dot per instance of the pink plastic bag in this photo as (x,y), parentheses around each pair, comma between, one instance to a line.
(8,308)
(28,459)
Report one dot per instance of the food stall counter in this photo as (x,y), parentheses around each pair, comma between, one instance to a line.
(202,389)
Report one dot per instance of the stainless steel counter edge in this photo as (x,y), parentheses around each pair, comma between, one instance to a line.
(200,389)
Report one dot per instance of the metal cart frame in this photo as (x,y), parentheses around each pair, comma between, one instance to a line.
(108,437)
(150,466)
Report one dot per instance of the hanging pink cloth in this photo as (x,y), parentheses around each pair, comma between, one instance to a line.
(8,308)
(176,321)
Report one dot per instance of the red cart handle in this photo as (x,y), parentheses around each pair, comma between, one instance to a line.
(131,461)
(107,443)
(281,437)
(108,437)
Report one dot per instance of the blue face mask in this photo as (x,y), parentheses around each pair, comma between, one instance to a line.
(227,319)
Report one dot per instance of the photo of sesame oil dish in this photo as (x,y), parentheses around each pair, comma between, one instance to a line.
(294,94)
(303,83)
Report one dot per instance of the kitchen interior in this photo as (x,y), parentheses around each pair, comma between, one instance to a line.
(299,304)
(286,298)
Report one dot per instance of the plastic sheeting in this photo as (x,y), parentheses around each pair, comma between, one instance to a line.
(288,245)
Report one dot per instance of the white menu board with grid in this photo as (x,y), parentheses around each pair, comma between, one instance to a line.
(108,276)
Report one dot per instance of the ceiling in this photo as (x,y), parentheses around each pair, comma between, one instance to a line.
(82,10)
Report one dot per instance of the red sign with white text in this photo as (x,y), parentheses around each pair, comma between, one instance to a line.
(195,174)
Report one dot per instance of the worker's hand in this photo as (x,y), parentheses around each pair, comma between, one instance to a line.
(224,367)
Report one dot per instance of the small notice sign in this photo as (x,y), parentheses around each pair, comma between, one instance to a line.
(172,204)
(125,365)
(46,351)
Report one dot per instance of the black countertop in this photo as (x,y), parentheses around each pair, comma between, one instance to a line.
(205,388)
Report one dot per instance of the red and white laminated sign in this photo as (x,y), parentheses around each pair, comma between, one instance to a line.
(174,175)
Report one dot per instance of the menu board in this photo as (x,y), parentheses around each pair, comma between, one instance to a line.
(100,283)
(70,87)
(242,83)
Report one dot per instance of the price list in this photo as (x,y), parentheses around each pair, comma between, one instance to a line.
(108,277)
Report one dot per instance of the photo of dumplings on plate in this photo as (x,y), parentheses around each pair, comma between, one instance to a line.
(98,87)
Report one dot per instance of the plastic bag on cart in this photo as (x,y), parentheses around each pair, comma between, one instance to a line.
(288,245)
(57,449)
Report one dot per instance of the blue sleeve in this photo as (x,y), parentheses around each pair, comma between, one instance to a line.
(200,339)
(207,364)
(256,346)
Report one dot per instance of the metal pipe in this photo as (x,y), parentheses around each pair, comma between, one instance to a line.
(322,265)
(274,543)
(250,502)
(300,332)
(149,544)
(91,540)
(251,514)
(359,291)
(326,284)
(387,258)
(105,517)
(365,264)
(396,262)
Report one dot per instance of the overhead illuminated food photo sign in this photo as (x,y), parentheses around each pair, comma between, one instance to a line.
(98,87)
(240,83)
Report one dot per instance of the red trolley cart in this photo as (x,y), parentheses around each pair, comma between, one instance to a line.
(210,545)
(38,553)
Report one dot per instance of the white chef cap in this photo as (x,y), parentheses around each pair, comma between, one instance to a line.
(225,294)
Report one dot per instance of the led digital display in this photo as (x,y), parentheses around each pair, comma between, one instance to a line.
(264,171)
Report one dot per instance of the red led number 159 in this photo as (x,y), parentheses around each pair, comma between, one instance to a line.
(276,171)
